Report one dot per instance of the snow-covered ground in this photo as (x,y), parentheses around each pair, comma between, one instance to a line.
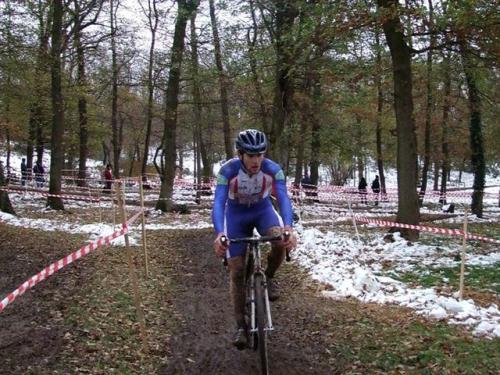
(353,269)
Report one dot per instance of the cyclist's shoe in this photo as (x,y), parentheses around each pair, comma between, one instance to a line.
(240,338)
(272,290)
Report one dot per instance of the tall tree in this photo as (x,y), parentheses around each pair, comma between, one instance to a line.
(205,171)
(408,209)
(475,25)
(252,44)
(79,24)
(445,159)
(280,29)
(38,118)
(166,169)
(380,108)
(57,147)
(153,18)
(429,104)
(116,141)
(475,131)
(5,204)
(223,84)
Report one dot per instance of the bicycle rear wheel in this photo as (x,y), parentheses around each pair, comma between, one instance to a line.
(260,310)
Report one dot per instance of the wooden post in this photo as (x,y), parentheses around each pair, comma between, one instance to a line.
(132,274)
(143,222)
(113,208)
(100,209)
(462,264)
(353,220)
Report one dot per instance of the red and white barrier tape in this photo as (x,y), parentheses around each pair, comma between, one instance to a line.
(61,263)
(74,197)
(454,232)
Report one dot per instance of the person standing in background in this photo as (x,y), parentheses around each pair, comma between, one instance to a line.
(39,172)
(24,172)
(108,179)
(362,189)
(376,189)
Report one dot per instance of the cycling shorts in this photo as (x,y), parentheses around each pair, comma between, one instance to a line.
(241,221)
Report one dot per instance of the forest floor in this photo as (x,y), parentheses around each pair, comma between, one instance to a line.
(83,321)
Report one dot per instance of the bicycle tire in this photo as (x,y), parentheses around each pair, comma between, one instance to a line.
(252,336)
(260,309)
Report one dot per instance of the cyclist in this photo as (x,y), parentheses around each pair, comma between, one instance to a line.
(243,202)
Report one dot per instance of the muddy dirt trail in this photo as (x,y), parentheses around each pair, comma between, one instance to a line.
(303,322)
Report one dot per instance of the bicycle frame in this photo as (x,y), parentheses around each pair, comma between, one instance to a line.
(254,267)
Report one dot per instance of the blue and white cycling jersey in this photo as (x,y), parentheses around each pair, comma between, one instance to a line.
(243,202)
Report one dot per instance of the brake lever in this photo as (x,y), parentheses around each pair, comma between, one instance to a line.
(286,236)
(223,241)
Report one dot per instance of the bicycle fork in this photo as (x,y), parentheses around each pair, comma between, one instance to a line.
(253,323)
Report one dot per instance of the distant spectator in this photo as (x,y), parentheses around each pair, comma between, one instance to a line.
(362,189)
(307,185)
(178,171)
(39,172)
(24,172)
(306,182)
(108,179)
(376,189)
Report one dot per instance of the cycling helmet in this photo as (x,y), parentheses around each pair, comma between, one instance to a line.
(251,141)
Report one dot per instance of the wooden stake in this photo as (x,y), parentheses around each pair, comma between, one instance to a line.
(143,222)
(132,274)
(462,264)
(353,220)
(100,208)
(113,209)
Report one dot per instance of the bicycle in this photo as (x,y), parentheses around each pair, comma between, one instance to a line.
(257,305)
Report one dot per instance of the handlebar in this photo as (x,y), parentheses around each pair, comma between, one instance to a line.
(254,240)
(280,237)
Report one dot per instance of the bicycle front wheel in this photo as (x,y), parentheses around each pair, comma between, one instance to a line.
(260,310)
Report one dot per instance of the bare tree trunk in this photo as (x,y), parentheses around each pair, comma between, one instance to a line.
(445,165)
(37,119)
(429,107)
(57,149)
(476,135)
(153,19)
(168,146)
(7,136)
(436,176)
(316,132)
(31,141)
(228,144)
(204,172)
(304,120)
(380,108)
(196,159)
(114,93)
(106,153)
(82,99)
(5,204)
(286,13)
(360,148)
(135,153)
(263,112)
(6,100)
(408,209)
